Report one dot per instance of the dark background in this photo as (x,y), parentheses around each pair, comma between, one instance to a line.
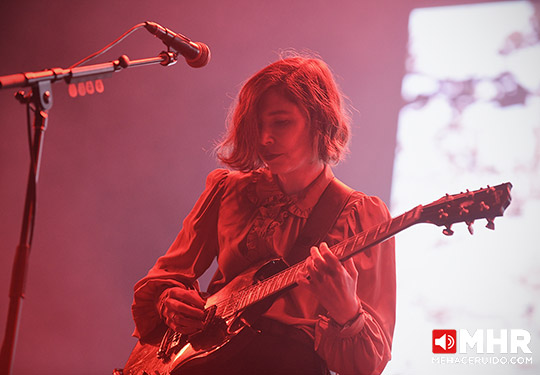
(121,169)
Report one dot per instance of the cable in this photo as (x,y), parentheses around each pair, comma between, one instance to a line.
(108,47)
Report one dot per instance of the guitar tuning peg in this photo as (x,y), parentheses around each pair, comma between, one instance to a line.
(442,214)
(448,231)
(490,223)
(483,206)
(470,227)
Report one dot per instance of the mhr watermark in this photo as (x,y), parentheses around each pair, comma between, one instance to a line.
(496,347)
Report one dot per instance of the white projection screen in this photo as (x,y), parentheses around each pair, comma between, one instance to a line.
(471,118)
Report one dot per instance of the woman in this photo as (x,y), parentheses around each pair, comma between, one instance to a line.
(287,128)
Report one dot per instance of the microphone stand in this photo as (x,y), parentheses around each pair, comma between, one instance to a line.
(41,97)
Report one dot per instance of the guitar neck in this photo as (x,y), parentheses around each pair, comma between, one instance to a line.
(374,235)
(344,250)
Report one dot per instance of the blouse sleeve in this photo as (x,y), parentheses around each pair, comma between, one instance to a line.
(188,257)
(363,345)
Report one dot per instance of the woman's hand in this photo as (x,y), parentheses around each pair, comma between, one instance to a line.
(332,283)
(182,309)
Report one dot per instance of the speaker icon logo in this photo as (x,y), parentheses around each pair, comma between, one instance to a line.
(444,341)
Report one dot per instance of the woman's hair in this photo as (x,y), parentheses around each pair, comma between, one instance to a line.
(309,84)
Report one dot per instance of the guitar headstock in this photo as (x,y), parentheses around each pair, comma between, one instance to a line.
(467,207)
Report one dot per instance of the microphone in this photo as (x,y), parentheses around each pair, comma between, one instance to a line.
(197,54)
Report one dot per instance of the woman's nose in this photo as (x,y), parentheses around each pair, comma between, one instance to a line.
(266,136)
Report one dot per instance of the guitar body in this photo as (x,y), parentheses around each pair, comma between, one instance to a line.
(143,360)
(222,336)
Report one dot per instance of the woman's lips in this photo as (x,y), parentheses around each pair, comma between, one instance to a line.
(267,156)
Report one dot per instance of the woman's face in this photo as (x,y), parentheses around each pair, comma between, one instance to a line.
(285,144)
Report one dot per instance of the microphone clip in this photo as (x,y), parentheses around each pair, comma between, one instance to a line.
(169,57)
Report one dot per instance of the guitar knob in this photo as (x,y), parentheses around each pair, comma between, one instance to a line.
(490,223)
(447,231)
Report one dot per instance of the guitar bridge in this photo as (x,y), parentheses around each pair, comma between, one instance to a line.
(169,345)
(172,341)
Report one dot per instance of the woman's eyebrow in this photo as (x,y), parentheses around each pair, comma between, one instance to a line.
(279,112)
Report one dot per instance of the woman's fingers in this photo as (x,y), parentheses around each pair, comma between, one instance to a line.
(183,325)
(333,283)
(183,310)
(351,268)
(188,296)
(323,263)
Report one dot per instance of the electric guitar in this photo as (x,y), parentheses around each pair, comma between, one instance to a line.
(228,312)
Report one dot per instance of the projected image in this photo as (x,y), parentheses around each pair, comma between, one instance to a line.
(471,119)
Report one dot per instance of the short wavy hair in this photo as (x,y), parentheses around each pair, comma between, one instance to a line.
(307,82)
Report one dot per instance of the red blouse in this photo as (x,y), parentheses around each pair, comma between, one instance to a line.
(243,218)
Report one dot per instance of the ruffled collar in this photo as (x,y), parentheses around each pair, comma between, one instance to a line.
(264,191)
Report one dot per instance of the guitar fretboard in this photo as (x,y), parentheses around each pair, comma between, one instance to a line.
(287,278)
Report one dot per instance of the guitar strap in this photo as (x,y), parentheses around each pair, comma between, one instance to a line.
(322,218)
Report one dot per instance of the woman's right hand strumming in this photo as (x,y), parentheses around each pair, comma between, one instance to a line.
(182,310)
